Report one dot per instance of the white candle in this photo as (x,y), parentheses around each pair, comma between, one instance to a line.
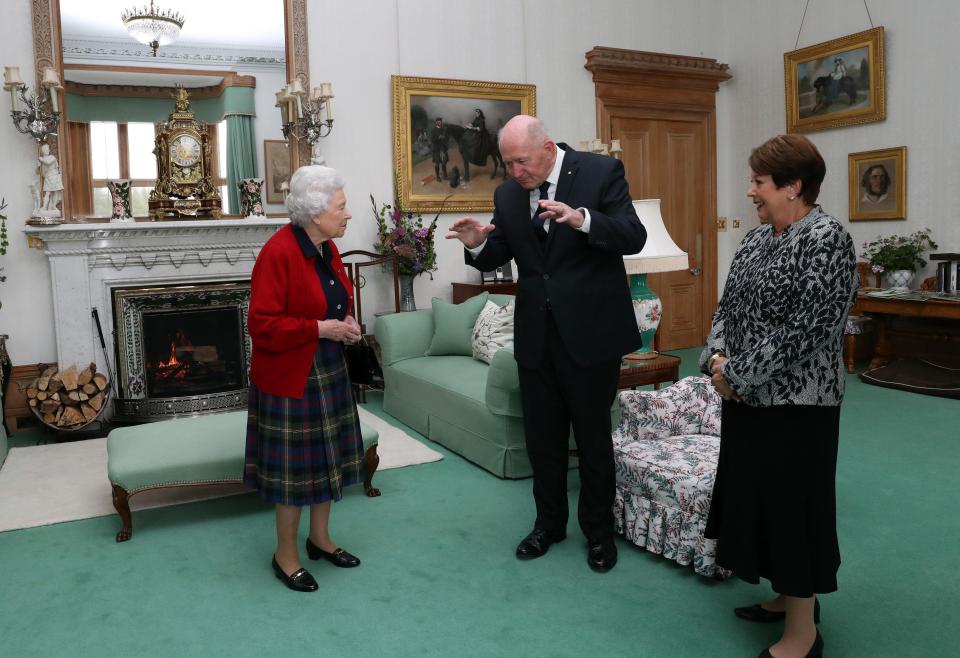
(329,105)
(54,99)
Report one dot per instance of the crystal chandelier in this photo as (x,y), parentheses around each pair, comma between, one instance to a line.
(152,26)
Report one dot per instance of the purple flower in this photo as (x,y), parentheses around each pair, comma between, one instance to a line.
(422,232)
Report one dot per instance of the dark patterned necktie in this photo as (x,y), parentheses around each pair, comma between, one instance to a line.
(537,220)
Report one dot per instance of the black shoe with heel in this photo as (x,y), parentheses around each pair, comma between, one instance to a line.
(339,557)
(299,581)
(816,651)
(759,613)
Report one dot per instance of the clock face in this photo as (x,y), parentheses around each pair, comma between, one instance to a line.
(185,151)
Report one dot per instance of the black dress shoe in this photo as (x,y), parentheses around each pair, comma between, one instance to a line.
(299,581)
(816,651)
(339,557)
(602,555)
(536,544)
(759,613)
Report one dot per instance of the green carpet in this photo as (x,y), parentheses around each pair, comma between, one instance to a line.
(439,577)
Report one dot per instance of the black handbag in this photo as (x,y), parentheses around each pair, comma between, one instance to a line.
(362,364)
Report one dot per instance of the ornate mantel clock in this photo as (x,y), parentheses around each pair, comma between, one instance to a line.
(184,185)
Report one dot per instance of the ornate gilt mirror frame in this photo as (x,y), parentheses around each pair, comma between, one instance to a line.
(48,51)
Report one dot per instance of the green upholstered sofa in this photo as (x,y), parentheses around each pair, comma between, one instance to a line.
(198,450)
(465,405)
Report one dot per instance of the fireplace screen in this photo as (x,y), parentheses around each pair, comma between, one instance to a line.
(181,349)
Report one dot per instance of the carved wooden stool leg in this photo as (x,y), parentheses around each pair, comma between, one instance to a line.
(371,460)
(850,345)
(121,501)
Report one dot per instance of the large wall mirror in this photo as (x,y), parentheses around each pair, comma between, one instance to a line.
(231,56)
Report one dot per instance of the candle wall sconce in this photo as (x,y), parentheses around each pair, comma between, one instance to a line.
(307,116)
(596,146)
(39,117)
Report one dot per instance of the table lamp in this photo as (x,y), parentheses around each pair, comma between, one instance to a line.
(660,254)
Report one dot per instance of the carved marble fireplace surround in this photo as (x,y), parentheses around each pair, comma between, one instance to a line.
(87,261)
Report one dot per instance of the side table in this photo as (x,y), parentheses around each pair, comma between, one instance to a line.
(662,368)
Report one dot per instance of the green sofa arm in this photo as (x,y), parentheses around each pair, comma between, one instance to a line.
(403,335)
(503,385)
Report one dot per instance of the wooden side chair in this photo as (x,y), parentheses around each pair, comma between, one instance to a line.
(855,322)
(357,264)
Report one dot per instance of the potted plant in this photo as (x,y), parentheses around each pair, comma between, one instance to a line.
(898,256)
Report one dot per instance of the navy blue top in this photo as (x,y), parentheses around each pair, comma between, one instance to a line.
(337,298)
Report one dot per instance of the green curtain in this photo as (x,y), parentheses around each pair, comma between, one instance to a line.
(241,156)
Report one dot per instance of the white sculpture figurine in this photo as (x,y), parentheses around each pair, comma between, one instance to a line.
(52,182)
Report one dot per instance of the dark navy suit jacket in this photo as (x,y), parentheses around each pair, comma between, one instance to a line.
(577,277)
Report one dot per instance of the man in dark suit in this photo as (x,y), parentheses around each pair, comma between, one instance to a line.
(567,220)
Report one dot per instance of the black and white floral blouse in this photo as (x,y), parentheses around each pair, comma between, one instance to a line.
(780,321)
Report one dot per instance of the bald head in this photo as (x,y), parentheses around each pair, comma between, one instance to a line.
(528,152)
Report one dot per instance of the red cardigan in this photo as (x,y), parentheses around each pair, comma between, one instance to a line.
(286,300)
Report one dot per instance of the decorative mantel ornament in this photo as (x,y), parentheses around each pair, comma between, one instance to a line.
(120,200)
(251,204)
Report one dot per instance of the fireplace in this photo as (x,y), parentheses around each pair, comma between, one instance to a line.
(180,349)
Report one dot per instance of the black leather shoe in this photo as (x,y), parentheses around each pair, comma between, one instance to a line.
(339,557)
(602,555)
(536,544)
(816,651)
(761,614)
(299,581)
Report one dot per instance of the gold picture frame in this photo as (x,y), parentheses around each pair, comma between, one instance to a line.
(878,184)
(277,168)
(437,165)
(836,83)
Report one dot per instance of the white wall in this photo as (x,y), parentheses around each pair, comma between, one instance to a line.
(358,45)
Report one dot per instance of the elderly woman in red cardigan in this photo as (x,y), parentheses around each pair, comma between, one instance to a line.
(303,434)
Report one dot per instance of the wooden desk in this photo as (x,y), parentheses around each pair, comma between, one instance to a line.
(888,308)
(663,368)
(464,291)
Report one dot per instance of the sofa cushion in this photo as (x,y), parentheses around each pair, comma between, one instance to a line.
(493,331)
(453,326)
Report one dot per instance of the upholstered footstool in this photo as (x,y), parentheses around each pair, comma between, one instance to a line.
(666,450)
(193,451)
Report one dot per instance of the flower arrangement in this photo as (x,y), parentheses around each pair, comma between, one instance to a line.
(898,252)
(403,234)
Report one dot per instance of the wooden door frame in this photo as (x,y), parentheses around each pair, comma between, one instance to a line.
(666,87)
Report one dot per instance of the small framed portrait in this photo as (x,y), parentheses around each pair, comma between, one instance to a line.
(445,149)
(878,184)
(276,169)
(836,83)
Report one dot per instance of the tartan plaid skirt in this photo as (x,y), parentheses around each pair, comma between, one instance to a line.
(303,451)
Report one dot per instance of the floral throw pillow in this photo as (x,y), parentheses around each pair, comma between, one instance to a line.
(493,330)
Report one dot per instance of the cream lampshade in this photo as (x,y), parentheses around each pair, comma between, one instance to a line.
(660,254)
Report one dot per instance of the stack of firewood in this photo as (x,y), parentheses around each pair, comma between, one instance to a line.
(67,399)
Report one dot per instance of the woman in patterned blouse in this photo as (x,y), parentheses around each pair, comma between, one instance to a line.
(775,356)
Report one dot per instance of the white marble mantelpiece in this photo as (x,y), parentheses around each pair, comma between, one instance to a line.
(88,260)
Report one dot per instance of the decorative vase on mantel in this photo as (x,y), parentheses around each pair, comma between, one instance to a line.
(407,302)
(899,279)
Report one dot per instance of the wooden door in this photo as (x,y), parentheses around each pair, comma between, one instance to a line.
(662,109)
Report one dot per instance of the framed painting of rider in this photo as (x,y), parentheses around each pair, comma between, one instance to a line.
(445,152)
(836,83)
(878,184)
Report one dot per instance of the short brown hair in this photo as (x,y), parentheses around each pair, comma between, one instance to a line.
(788,158)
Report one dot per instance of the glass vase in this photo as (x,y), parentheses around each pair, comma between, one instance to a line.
(407,302)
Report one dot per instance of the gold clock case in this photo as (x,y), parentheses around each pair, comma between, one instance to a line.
(183,191)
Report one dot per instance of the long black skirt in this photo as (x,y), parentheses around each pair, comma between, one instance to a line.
(774,500)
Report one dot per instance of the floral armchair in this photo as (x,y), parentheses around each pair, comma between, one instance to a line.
(666,450)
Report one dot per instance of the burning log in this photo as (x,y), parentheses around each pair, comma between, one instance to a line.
(68,399)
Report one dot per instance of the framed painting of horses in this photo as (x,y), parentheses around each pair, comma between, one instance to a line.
(878,184)
(445,140)
(836,83)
